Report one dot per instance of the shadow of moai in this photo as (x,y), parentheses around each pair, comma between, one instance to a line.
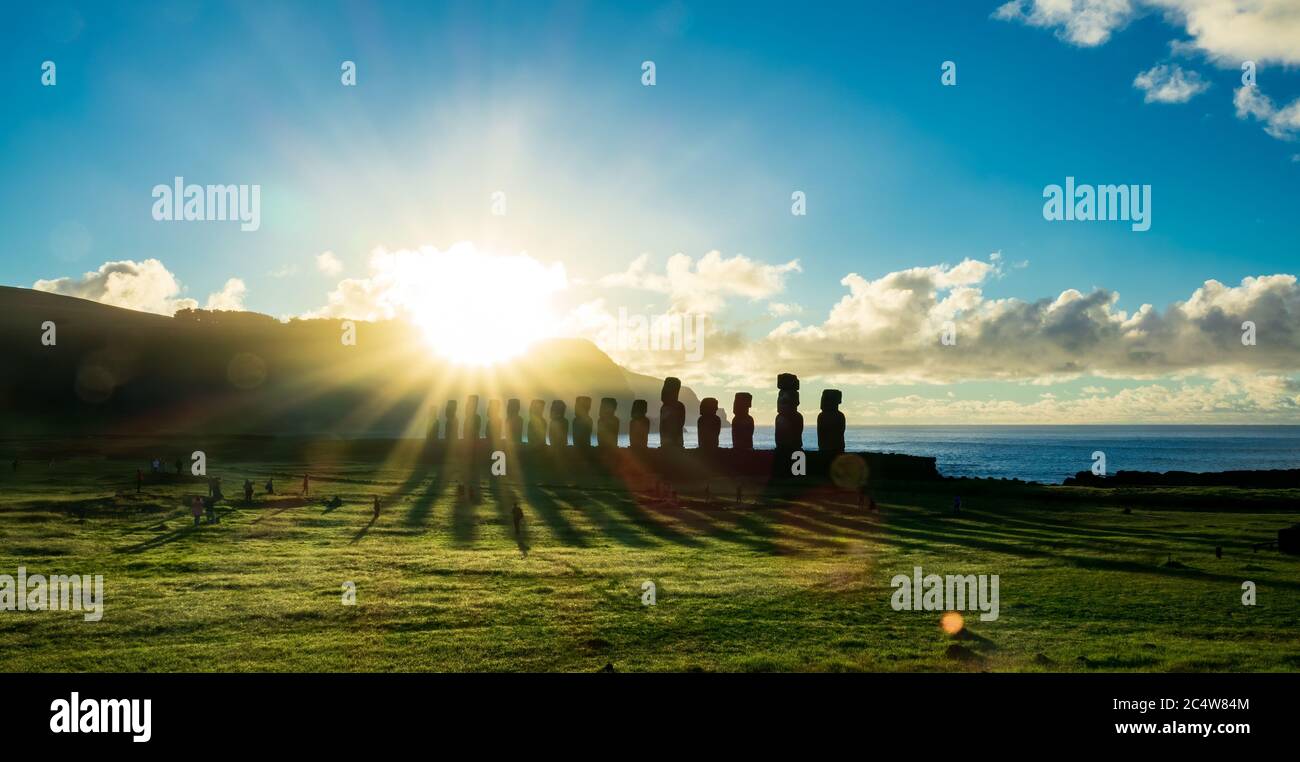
(495,427)
(742,423)
(830,424)
(451,427)
(789,421)
(607,424)
(514,424)
(709,424)
(559,428)
(638,428)
(582,423)
(672,415)
(473,421)
(537,423)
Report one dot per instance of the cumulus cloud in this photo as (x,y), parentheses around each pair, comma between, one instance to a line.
(328,263)
(1282,123)
(1226,31)
(1169,84)
(230,297)
(702,286)
(1081,22)
(147,286)
(888,330)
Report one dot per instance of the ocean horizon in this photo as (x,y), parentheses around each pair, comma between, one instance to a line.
(1050,453)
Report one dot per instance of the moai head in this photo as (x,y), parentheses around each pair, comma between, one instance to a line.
(742,403)
(494,408)
(557,409)
(471,404)
(708,407)
(537,408)
(787,381)
(582,406)
(831,399)
(607,406)
(512,407)
(451,408)
(787,401)
(638,408)
(672,388)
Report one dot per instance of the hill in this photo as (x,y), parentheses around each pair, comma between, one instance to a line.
(121,372)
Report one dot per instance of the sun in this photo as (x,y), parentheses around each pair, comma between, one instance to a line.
(476,308)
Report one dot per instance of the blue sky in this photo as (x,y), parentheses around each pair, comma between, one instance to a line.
(544,102)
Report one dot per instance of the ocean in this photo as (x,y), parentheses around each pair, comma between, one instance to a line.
(1048,454)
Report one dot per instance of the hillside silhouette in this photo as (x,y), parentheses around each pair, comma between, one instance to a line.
(115,371)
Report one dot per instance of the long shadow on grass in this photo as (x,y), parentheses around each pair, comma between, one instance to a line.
(928,533)
(630,507)
(549,510)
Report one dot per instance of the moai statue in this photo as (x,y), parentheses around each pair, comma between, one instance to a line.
(672,415)
(559,425)
(638,429)
(607,424)
(451,427)
(742,423)
(537,423)
(830,423)
(473,421)
(495,430)
(710,424)
(789,422)
(514,424)
(582,422)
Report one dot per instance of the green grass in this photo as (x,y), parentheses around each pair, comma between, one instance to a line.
(798,582)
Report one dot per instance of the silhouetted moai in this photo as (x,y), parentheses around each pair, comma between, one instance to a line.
(559,428)
(607,424)
(742,423)
(451,427)
(514,424)
(537,423)
(638,428)
(473,421)
(582,424)
(495,427)
(709,424)
(830,423)
(672,415)
(789,422)
(432,436)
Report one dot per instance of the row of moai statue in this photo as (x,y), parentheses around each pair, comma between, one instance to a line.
(558,432)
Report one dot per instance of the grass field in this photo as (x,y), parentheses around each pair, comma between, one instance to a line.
(799,581)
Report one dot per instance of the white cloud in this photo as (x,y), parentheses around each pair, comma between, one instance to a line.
(230,297)
(1225,31)
(1282,123)
(1169,84)
(328,263)
(1081,22)
(147,286)
(702,286)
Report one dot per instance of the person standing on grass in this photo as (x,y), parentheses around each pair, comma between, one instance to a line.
(270,486)
(196,510)
(248,490)
(518,516)
(376,507)
(956,504)
(306,484)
